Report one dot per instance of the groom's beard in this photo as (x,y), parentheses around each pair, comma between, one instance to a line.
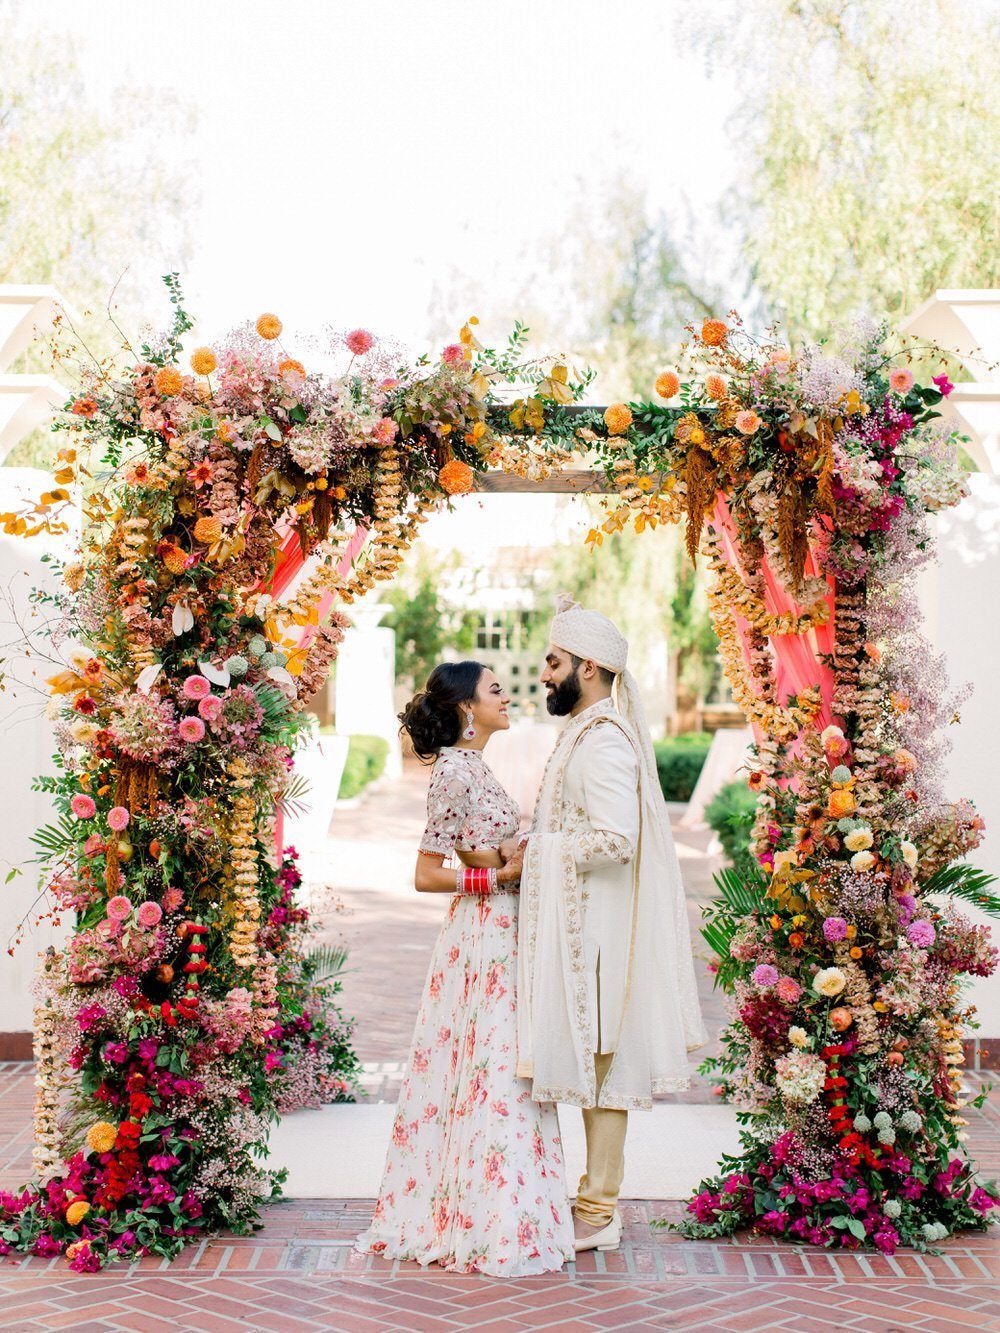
(564,697)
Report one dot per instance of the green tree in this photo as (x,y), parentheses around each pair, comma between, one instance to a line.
(86,200)
(424,624)
(870,131)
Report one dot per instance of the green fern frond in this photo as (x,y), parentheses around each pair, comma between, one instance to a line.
(968,883)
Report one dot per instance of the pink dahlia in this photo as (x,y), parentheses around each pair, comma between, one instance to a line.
(172,899)
(359,341)
(196,687)
(453,354)
(118,908)
(765,975)
(385,430)
(921,933)
(210,708)
(149,914)
(118,818)
(93,845)
(901,380)
(834,929)
(83,806)
(191,729)
(788,990)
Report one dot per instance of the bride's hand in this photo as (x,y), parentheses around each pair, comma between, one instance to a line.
(510,872)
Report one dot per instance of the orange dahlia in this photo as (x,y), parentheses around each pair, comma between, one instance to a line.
(168,381)
(618,418)
(456,477)
(77,1211)
(667,384)
(208,529)
(715,386)
(291,367)
(101,1136)
(713,332)
(841,804)
(269,326)
(203,361)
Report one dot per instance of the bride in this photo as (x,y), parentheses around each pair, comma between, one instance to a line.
(474,1177)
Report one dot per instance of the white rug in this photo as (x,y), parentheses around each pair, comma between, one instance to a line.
(338,1152)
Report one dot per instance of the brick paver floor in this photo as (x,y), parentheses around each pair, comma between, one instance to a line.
(300,1272)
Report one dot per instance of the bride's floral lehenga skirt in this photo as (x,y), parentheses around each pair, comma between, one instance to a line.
(474,1177)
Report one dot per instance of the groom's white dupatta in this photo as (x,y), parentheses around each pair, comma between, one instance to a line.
(661,1019)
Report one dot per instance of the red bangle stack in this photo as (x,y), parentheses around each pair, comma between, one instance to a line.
(476,880)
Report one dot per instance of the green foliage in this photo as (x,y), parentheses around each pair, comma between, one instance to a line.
(423,621)
(366,756)
(741,894)
(679,760)
(868,131)
(730,814)
(968,883)
(324,963)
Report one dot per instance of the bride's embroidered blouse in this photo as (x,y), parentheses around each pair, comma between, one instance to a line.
(467,808)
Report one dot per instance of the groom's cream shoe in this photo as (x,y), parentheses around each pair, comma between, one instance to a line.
(608,1238)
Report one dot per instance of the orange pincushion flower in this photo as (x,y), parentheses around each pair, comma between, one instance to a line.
(77,1211)
(715,387)
(168,381)
(841,804)
(173,557)
(208,529)
(203,361)
(667,384)
(269,326)
(101,1136)
(713,332)
(456,477)
(291,367)
(618,418)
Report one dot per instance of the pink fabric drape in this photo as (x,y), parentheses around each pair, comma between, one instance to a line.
(797,657)
(288,564)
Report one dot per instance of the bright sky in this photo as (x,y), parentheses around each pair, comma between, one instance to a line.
(350,157)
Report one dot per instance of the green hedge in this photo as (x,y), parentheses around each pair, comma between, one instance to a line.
(730,813)
(679,760)
(366,758)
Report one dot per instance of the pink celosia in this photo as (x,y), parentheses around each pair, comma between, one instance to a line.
(191,729)
(196,687)
(83,806)
(118,818)
(359,341)
(118,907)
(149,914)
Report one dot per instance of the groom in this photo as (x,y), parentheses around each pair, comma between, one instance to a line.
(607,1005)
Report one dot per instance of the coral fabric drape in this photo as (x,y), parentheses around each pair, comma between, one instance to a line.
(288,564)
(797,657)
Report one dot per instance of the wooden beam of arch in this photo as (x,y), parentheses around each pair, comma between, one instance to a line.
(571,481)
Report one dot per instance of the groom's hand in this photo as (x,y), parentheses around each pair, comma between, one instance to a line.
(509,848)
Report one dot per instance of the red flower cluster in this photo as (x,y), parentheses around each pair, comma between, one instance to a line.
(854,1146)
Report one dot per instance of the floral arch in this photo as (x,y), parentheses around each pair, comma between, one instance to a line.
(244,500)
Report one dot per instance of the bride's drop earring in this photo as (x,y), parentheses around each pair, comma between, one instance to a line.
(470,732)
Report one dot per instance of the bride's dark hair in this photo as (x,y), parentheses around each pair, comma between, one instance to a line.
(431,718)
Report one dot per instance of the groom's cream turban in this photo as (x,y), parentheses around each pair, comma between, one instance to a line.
(588,635)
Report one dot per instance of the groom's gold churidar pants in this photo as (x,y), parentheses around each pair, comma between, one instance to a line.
(605,1129)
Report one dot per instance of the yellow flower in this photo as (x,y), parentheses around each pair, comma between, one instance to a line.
(667,384)
(101,1136)
(269,326)
(862,861)
(829,981)
(785,862)
(77,1211)
(858,840)
(168,381)
(203,361)
(208,529)
(799,1037)
(841,804)
(909,853)
(618,418)
(713,332)
(456,477)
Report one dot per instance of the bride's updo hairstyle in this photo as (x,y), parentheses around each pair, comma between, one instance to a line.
(431,719)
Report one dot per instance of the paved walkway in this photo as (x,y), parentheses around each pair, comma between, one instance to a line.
(300,1273)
